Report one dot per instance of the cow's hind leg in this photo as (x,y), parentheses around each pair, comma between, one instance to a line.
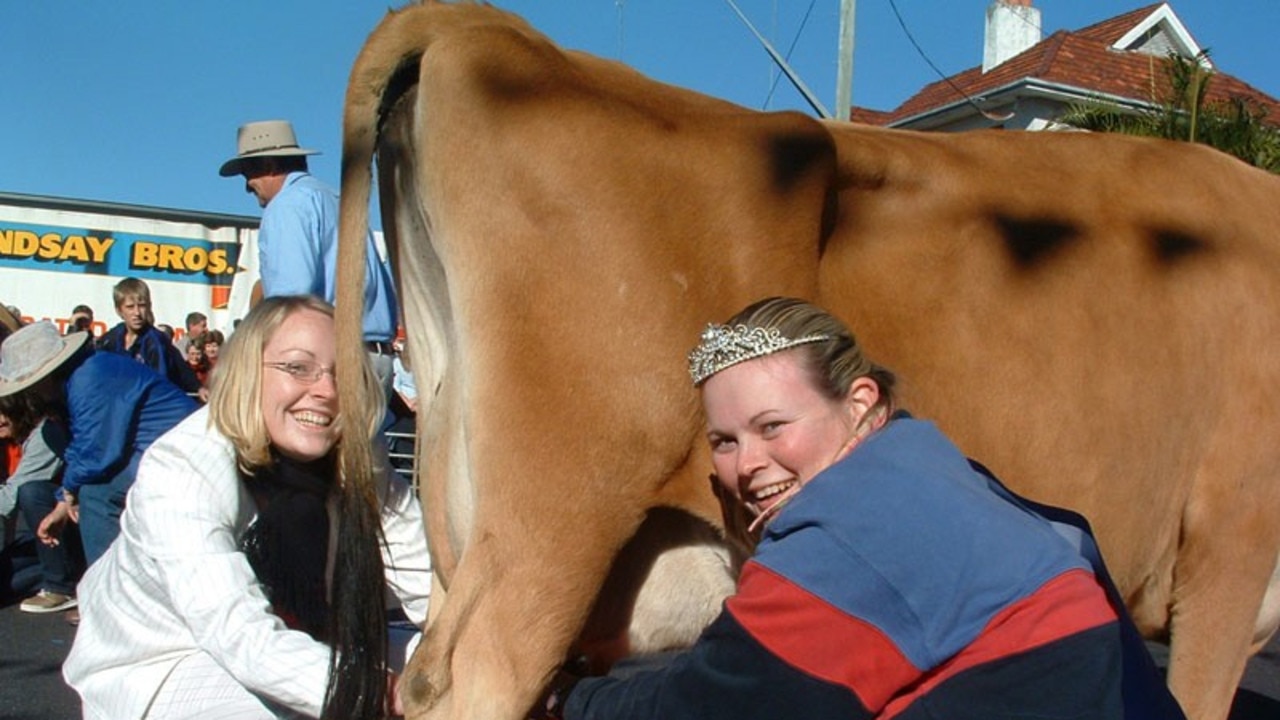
(1224,564)
(507,625)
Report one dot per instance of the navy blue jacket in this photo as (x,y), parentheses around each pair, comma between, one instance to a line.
(153,349)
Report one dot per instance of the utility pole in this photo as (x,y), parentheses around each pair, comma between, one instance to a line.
(844,72)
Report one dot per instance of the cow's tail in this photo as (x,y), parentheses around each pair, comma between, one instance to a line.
(390,55)
(356,686)
(386,67)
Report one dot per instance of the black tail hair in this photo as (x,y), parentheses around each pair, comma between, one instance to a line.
(357,688)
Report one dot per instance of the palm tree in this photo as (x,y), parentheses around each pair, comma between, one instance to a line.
(1236,126)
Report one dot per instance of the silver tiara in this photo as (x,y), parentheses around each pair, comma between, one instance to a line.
(723,346)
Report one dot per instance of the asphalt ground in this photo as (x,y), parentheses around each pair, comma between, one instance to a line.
(32,648)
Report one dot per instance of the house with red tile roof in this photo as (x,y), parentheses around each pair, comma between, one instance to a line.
(1027,82)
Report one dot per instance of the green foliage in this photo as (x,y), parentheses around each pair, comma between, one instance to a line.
(1237,126)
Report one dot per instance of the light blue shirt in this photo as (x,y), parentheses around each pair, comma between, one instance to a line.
(298,253)
(41,460)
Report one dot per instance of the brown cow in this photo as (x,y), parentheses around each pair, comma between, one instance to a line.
(1092,316)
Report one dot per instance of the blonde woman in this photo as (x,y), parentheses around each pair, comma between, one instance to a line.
(246,581)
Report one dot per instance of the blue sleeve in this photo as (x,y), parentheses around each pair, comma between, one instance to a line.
(102,407)
(290,253)
(726,675)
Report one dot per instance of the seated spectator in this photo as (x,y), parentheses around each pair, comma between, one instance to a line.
(19,566)
(114,408)
(221,597)
(29,491)
(138,338)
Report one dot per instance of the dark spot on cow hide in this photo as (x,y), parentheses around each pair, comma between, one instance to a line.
(794,155)
(1033,241)
(419,689)
(1171,246)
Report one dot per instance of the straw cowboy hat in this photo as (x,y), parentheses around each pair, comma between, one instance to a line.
(265,138)
(34,351)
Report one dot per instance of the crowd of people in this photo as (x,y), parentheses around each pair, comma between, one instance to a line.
(178,497)
(77,415)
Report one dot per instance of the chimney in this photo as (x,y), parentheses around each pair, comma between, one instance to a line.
(1012,27)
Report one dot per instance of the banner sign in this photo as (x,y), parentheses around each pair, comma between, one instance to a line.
(83,251)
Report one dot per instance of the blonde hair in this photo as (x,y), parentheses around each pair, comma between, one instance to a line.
(235,389)
(833,364)
(130,287)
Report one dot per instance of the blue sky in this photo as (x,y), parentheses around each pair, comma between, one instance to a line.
(138,102)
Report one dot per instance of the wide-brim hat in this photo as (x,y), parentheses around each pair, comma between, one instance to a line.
(264,138)
(32,352)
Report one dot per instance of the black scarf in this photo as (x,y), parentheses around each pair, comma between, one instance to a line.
(288,544)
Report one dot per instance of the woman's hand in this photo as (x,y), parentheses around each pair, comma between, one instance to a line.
(51,526)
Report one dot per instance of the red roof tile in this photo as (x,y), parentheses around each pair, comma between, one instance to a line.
(1082,59)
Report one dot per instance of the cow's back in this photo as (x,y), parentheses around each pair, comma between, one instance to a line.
(1097,318)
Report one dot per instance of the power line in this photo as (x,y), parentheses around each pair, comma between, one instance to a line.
(782,63)
(774,85)
(903,23)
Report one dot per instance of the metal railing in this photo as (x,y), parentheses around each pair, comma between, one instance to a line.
(400,448)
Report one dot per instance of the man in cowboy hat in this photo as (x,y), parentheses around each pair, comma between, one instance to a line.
(298,236)
(114,408)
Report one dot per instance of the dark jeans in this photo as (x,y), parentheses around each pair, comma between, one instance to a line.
(60,566)
(101,505)
(19,568)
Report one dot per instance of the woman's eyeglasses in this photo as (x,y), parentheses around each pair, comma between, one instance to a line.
(304,371)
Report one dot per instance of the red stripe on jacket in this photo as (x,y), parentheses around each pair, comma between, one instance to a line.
(827,643)
(818,638)
(1068,604)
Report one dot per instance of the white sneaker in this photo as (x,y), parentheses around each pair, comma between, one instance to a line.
(48,602)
